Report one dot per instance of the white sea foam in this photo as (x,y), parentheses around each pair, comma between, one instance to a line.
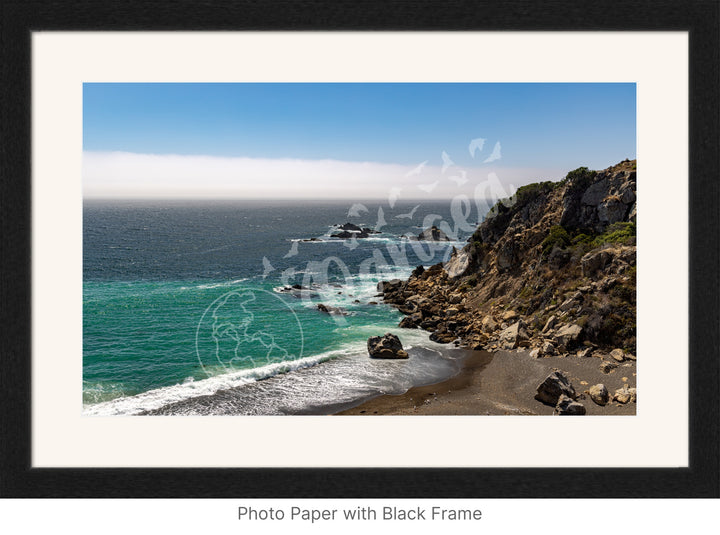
(224,284)
(350,368)
(160,397)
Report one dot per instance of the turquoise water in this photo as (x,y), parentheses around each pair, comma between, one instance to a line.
(187,307)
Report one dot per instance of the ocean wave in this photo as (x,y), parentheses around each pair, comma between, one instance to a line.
(160,397)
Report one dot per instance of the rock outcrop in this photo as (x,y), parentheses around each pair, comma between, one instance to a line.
(387,346)
(432,234)
(551,270)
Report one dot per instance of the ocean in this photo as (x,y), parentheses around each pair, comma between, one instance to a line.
(189,306)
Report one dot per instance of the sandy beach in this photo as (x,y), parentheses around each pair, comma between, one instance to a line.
(504,383)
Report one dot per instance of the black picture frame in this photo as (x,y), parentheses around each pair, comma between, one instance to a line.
(701,18)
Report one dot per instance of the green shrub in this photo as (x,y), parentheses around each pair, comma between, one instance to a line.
(580,178)
(557,236)
(582,238)
(621,232)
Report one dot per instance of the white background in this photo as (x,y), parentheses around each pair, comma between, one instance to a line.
(657,62)
(220,517)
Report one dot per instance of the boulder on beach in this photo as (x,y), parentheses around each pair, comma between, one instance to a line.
(387,346)
(599,394)
(569,335)
(555,385)
(514,336)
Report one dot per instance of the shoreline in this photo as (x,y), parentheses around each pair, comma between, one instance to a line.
(502,383)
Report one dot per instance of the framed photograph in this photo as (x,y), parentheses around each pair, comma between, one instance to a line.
(269,257)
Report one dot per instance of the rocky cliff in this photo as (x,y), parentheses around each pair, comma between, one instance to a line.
(551,270)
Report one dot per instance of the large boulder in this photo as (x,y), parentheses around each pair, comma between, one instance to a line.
(568,335)
(599,394)
(489,324)
(387,346)
(555,385)
(458,264)
(514,336)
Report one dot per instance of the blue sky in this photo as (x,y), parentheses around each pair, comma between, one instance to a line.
(542,129)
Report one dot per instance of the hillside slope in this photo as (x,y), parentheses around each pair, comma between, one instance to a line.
(553,270)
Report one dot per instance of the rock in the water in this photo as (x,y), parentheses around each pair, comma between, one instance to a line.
(555,385)
(607,366)
(618,354)
(433,234)
(599,394)
(387,346)
(513,336)
(568,407)
(350,230)
(335,311)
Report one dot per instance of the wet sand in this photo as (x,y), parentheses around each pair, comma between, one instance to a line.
(504,383)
